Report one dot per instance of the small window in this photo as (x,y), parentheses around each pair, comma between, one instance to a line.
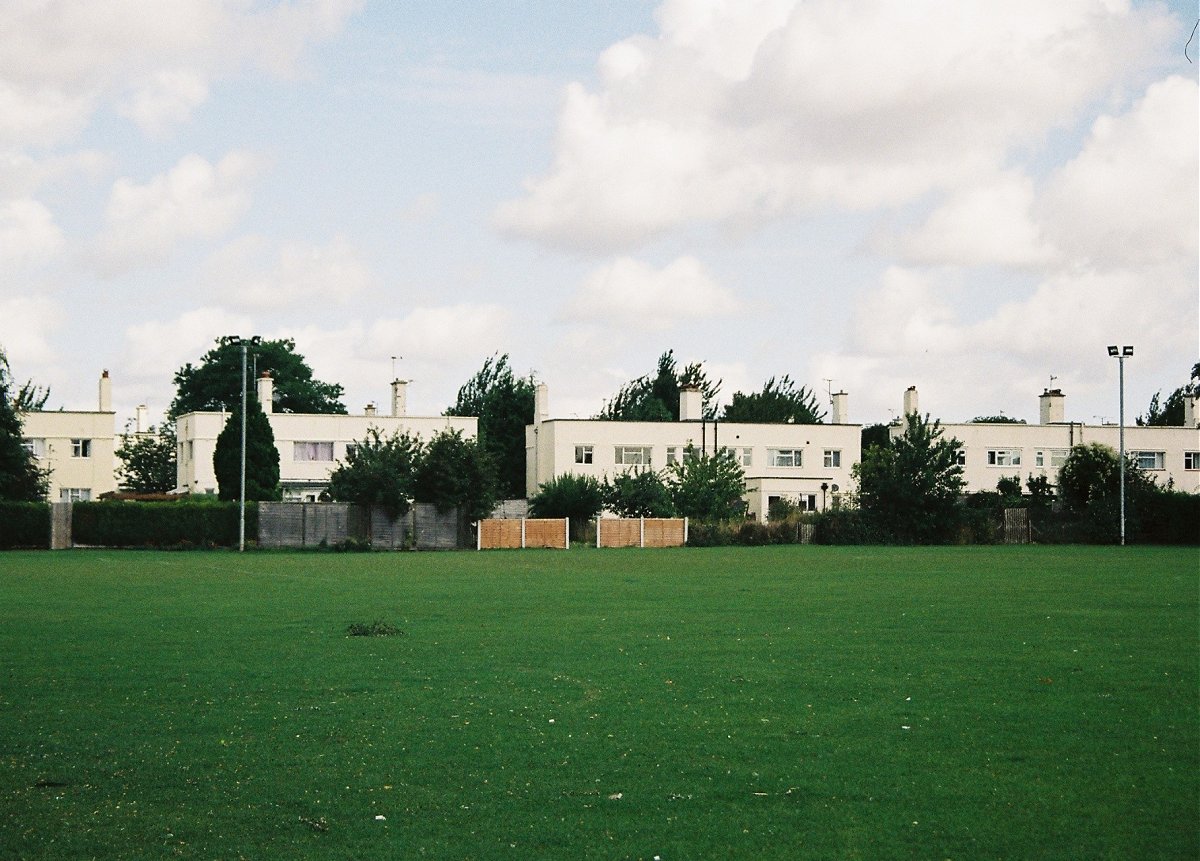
(746,456)
(833,457)
(962,457)
(1149,459)
(81,448)
(1004,457)
(1191,460)
(35,447)
(1053,457)
(787,457)
(632,455)
(672,454)
(584,454)
(351,448)
(75,494)
(312,451)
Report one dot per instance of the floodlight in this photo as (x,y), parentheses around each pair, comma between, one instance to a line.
(1127,351)
(1112,350)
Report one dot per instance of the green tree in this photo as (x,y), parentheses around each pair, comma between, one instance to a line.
(504,404)
(1170,413)
(638,493)
(1089,482)
(380,472)
(707,486)
(875,435)
(453,472)
(216,382)
(910,488)
(148,461)
(997,420)
(262,458)
(655,398)
(779,402)
(578,498)
(21,480)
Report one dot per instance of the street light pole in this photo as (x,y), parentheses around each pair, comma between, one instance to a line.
(242,479)
(1121,355)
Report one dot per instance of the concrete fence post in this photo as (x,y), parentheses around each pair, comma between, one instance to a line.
(641,532)
(522,533)
(566,533)
(685,530)
(597,532)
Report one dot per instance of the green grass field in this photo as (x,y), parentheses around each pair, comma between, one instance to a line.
(789,702)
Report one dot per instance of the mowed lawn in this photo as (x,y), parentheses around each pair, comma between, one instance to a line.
(759,703)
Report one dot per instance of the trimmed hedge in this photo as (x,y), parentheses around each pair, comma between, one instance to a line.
(181,524)
(24,524)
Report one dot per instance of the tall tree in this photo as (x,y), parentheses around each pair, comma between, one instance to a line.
(456,473)
(707,486)
(655,398)
(21,480)
(910,488)
(578,498)
(379,471)
(1170,413)
(148,461)
(216,382)
(779,402)
(504,404)
(262,458)
(638,493)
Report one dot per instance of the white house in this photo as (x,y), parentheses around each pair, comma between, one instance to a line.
(807,464)
(309,445)
(992,451)
(77,446)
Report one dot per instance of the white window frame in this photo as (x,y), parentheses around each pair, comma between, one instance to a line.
(81,448)
(75,494)
(585,454)
(833,458)
(1191,460)
(1157,459)
(36,446)
(633,455)
(1051,457)
(674,454)
(312,451)
(1004,457)
(786,458)
(745,456)
(961,460)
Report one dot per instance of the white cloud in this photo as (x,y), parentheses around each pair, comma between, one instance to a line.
(298,276)
(156,349)
(743,111)
(60,60)
(194,199)
(630,293)
(28,233)
(27,326)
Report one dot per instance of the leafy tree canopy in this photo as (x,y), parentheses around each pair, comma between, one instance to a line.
(707,486)
(997,420)
(262,458)
(910,488)
(379,471)
(638,493)
(877,434)
(21,480)
(148,461)
(216,382)
(1170,413)
(780,401)
(655,398)
(504,404)
(578,498)
(452,472)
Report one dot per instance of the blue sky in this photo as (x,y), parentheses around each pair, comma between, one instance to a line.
(873,194)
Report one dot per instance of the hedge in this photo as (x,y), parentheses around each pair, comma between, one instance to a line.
(24,524)
(160,524)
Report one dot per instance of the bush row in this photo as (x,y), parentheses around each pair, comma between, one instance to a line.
(24,524)
(183,524)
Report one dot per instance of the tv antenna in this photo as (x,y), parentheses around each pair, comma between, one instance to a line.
(394,358)
(829,389)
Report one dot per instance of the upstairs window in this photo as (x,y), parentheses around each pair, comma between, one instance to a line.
(1053,457)
(1004,457)
(787,457)
(833,457)
(1149,459)
(632,455)
(81,448)
(75,494)
(312,451)
(584,454)
(35,447)
(1191,460)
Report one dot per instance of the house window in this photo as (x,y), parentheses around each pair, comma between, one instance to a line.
(81,448)
(75,494)
(1004,457)
(673,454)
(833,457)
(35,447)
(1149,459)
(1191,460)
(745,456)
(1050,457)
(961,459)
(584,454)
(786,457)
(632,455)
(312,451)
(351,448)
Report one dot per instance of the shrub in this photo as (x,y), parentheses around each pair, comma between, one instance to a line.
(24,524)
(579,498)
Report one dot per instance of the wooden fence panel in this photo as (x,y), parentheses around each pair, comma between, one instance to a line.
(546,533)
(614,532)
(641,532)
(664,532)
(499,534)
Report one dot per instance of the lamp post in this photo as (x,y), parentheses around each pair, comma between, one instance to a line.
(237,340)
(1121,354)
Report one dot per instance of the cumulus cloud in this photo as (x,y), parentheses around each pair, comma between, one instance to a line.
(27,324)
(251,274)
(745,111)
(628,292)
(155,349)
(194,199)
(27,232)
(60,60)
